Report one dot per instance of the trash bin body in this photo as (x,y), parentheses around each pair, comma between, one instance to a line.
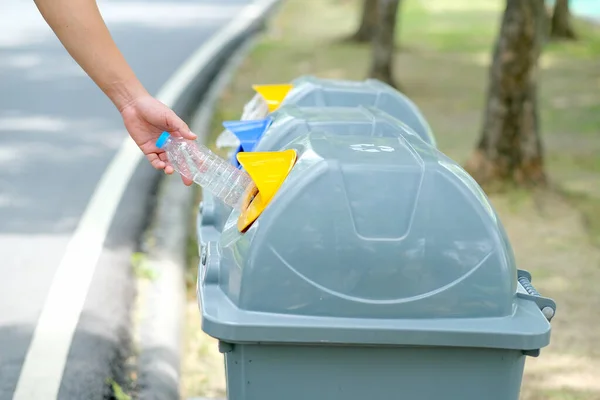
(375,373)
(378,270)
(212,215)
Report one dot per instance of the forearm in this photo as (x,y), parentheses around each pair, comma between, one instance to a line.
(82,31)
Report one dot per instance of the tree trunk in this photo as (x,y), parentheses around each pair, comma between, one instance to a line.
(510,148)
(367,22)
(383,41)
(561,21)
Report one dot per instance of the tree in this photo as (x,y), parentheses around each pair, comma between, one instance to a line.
(368,22)
(510,147)
(561,21)
(383,41)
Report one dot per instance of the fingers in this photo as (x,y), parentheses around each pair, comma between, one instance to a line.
(160,161)
(176,125)
(170,170)
(168,167)
(186,181)
(189,135)
(156,162)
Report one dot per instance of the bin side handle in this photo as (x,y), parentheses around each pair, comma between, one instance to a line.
(526,291)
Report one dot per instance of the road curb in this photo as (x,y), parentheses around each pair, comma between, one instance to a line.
(161,303)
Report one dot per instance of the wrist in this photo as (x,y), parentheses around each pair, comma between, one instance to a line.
(123,93)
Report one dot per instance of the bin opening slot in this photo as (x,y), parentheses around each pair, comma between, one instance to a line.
(268,170)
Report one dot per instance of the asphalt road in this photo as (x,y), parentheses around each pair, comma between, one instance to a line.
(58,134)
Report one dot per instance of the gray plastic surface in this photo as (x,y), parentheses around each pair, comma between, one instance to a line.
(310,91)
(370,240)
(211,218)
(276,372)
(290,122)
(324,94)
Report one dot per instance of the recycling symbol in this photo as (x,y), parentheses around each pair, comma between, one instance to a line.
(371,148)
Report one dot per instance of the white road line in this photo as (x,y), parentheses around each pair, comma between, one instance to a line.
(45,361)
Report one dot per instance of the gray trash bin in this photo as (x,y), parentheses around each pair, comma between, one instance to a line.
(310,91)
(379,270)
(290,122)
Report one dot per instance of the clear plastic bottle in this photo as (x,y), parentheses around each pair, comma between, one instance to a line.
(213,173)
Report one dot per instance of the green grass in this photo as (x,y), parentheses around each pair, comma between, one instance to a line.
(118,392)
(191,249)
(589,206)
(140,267)
(568,395)
(443,27)
(586,48)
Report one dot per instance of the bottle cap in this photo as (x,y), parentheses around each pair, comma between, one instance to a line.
(162,139)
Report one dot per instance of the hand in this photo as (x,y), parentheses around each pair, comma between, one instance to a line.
(145,119)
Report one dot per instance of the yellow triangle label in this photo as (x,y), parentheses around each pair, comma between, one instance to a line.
(268,170)
(273,94)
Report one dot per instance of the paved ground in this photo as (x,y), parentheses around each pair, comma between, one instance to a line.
(58,134)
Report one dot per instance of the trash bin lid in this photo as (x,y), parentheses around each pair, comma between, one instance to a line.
(370,240)
(291,121)
(310,91)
